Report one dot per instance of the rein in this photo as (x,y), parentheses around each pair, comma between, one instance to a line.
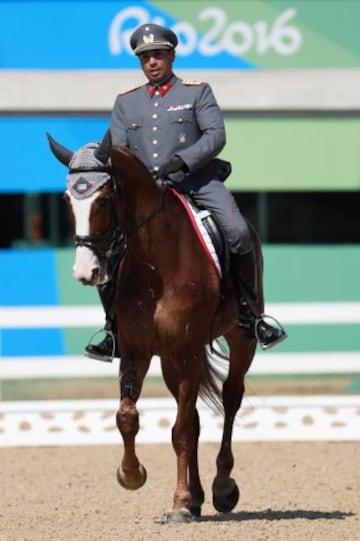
(158,208)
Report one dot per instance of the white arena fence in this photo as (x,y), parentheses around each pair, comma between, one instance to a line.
(264,418)
(268,362)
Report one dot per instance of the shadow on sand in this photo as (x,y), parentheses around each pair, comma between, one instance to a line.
(271,514)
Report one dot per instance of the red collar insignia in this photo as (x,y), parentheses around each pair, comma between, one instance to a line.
(161,88)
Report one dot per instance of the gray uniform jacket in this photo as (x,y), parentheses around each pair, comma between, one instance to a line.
(188,122)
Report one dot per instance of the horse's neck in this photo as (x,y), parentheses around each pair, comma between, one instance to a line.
(140,196)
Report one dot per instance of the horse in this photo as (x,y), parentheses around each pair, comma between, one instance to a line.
(170,302)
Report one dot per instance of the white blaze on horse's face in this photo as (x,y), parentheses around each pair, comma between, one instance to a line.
(87,267)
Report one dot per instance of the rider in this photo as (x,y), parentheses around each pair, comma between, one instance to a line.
(176,128)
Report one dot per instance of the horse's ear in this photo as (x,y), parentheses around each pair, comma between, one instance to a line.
(102,153)
(61,153)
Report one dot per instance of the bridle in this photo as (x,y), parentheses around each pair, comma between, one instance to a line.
(113,235)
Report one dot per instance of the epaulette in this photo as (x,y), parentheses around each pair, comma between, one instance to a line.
(192,83)
(129,90)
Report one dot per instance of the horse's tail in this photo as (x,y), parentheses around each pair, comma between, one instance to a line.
(213,376)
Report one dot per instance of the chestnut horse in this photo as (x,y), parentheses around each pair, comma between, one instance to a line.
(168,304)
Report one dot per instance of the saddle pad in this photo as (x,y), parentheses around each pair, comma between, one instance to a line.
(197,216)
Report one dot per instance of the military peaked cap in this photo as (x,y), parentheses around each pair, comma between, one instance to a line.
(152,36)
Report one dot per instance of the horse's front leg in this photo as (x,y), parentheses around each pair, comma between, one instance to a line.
(184,440)
(131,474)
(170,375)
(196,489)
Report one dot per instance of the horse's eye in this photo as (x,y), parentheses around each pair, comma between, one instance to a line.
(103,200)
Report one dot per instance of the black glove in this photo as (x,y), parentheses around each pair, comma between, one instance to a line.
(174,165)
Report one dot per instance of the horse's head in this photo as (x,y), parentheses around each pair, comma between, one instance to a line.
(89,195)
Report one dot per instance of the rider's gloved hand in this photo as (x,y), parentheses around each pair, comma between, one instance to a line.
(174,165)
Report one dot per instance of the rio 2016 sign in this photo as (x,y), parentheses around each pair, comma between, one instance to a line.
(235,38)
(238,34)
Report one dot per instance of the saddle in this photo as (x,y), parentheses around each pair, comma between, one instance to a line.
(209,232)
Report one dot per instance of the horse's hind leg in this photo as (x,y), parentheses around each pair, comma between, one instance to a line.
(225,490)
(131,474)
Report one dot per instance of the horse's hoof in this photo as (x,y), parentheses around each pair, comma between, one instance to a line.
(224,500)
(179,516)
(195,510)
(133,485)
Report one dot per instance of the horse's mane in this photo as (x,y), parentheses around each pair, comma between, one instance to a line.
(127,163)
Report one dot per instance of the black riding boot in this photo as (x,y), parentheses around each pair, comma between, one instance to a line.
(243,274)
(106,350)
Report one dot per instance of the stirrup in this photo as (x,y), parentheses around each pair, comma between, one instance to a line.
(107,332)
(277,326)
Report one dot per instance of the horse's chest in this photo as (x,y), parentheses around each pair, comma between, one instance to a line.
(174,314)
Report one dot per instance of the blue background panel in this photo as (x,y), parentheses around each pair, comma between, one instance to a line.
(32,342)
(28,278)
(91,35)
(29,165)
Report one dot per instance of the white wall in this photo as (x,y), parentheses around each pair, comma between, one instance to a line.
(95,91)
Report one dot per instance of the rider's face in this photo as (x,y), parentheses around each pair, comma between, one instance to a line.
(157,64)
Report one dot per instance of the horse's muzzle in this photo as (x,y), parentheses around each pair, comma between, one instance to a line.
(87,269)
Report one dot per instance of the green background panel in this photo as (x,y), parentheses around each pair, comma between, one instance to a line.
(288,154)
(315,273)
(77,338)
(328,29)
(70,290)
